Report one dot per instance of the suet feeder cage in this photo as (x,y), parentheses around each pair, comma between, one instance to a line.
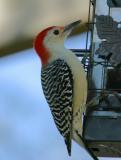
(102,61)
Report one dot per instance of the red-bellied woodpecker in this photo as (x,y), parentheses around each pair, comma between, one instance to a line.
(63,81)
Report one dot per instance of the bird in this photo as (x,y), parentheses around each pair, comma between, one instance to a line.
(64,83)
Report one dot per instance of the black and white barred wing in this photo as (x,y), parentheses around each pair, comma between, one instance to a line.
(57,83)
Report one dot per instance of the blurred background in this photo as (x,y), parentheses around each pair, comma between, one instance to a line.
(27,130)
(21,20)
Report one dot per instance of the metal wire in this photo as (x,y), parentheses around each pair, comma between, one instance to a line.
(90,63)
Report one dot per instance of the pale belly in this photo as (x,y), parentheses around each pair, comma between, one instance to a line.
(79,93)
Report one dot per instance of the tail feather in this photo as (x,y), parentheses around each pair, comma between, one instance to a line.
(83,143)
(68,144)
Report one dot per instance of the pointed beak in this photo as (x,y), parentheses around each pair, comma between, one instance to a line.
(68,28)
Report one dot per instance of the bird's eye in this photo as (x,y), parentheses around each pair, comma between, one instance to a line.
(56,32)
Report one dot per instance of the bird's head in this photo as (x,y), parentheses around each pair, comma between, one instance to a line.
(51,39)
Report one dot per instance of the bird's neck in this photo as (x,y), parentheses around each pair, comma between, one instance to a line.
(56,52)
(52,52)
